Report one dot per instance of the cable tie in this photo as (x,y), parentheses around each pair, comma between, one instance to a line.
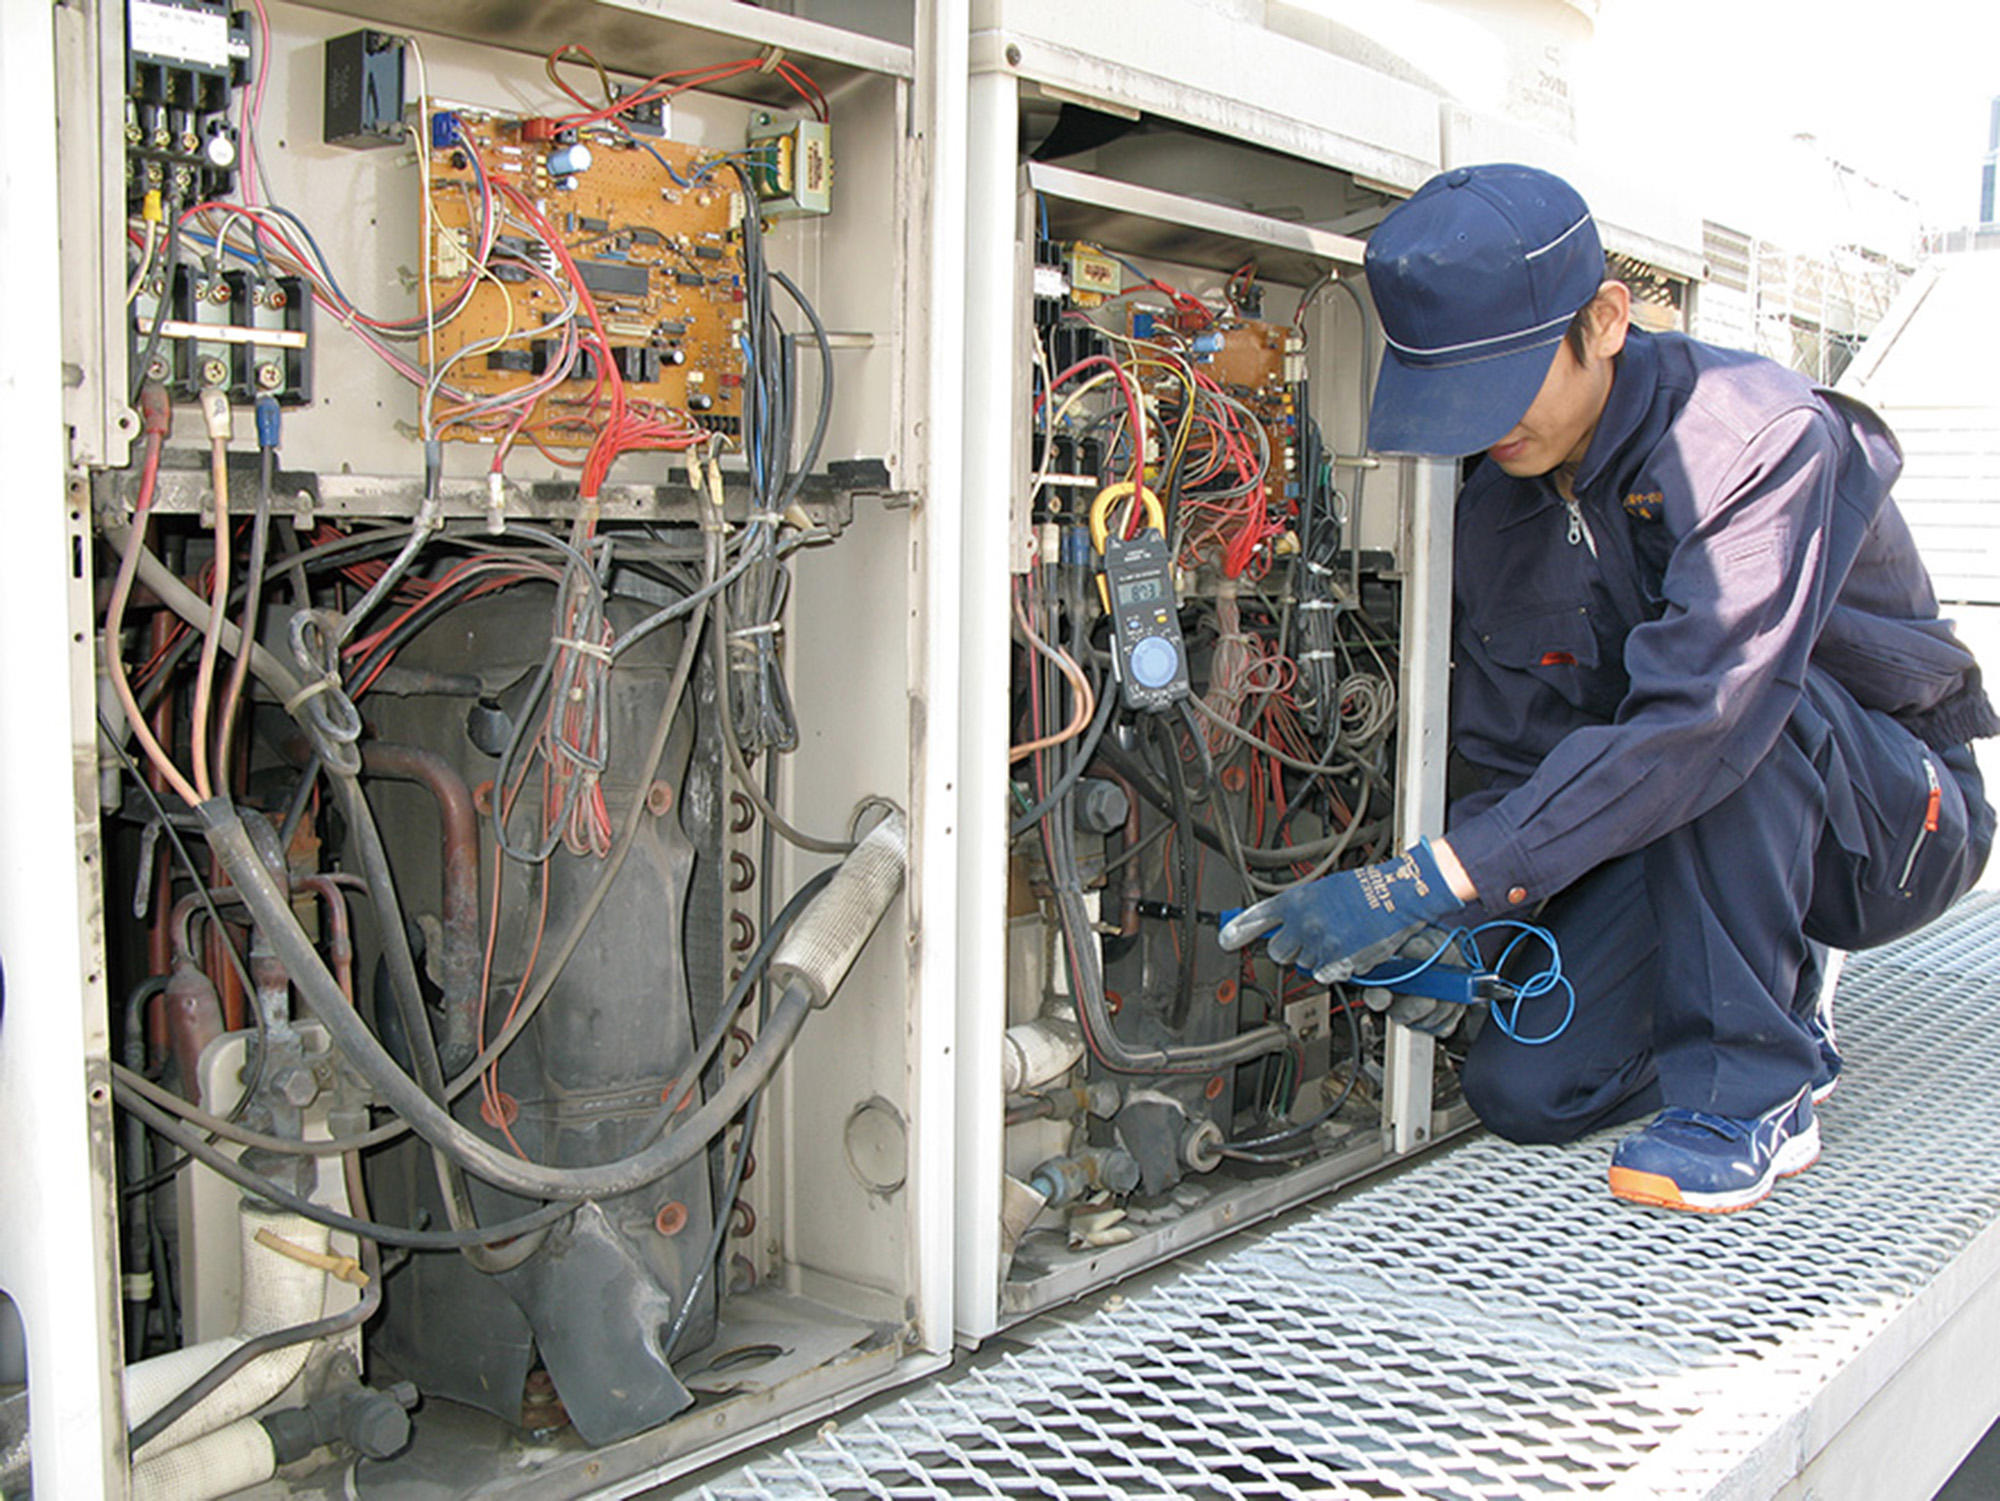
(1316,656)
(768,628)
(769,518)
(586,648)
(772,57)
(1316,604)
(330,682)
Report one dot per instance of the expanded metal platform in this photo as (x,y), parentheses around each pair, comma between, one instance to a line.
(1491,1324)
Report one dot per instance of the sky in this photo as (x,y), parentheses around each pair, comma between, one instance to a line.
(1897,92)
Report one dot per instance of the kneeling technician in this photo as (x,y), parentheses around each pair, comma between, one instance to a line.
(1711,719)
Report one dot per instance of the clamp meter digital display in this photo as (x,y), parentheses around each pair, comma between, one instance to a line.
(1145,620)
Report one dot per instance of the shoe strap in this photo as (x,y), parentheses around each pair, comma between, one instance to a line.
(1720,1125)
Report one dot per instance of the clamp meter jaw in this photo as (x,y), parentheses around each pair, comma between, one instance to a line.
(1150,656)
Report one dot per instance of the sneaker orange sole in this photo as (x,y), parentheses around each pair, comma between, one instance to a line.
(1662,1192)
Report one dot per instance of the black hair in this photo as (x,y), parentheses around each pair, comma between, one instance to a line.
(1577,335)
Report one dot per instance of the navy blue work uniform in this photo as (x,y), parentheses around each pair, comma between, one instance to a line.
(1713,720)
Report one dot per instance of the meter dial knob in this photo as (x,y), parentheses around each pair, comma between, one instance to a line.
(1154,662)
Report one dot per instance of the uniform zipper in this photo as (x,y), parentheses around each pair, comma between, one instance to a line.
(1930,822)
(1579,529)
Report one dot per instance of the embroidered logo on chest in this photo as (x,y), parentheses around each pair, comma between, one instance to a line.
(1645,505)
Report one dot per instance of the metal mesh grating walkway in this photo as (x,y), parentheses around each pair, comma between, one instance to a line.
(1490,1323)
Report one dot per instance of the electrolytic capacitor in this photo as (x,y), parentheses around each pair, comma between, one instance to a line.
(569,161)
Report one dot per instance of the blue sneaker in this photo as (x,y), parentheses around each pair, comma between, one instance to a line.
(1819,1027)
(1713,1164)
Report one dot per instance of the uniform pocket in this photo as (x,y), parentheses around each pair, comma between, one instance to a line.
(1558,648)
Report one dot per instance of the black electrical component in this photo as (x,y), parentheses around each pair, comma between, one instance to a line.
(184,59)
(648,118)
(244,333)
(364,100)
(638,363)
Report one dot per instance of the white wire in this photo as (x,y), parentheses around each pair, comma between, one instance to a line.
(133,287)
(424,403)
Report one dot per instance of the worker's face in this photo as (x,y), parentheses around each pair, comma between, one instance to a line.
(1558,427)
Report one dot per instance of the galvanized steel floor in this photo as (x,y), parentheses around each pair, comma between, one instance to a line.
(1490,1323)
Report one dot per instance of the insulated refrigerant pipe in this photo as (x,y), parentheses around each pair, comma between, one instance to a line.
(216,1464)
(810,966)
(278,1293)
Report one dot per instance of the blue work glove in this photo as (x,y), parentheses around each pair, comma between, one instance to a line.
(1353,920)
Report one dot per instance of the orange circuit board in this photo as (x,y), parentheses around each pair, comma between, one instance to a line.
(651,230)
(1246,358)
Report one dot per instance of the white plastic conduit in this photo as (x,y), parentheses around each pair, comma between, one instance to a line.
(278,1292)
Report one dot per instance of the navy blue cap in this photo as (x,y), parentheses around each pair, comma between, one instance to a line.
(1476,278)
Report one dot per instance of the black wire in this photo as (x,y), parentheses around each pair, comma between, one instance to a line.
(1107,702)
(214,915)
(224,1370)
(718,1233)
(193,1142)
(156,1178)
(301,800)
(1250,1151)
(1184,857)
(169,267)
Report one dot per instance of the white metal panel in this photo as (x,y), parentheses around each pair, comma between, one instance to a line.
(993,336)
(941,84)
(1636,214)
(1191,63)
(56,1237)
(1421,750)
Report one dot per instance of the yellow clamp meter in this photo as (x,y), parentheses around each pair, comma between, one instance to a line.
(1137,588)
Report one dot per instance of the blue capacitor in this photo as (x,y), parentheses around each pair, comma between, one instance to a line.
(569,161)
(1209,343)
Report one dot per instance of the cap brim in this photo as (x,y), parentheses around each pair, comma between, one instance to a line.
(1451,410)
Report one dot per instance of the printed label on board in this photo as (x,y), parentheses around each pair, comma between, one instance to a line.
(200,37)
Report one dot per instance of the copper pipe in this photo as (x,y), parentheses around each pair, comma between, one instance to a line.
(159,938)
(193,1019)
(340,934)
(458,966)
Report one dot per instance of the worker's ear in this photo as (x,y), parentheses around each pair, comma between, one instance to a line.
(1610,316)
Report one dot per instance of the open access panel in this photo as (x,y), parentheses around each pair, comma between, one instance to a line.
(506,515)
(1223,649)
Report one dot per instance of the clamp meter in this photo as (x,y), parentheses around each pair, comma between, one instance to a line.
(1138,587)
(1150,657)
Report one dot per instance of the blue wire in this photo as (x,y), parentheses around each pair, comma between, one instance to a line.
(753,447)
(209,240)
(1541,983)
(665,165)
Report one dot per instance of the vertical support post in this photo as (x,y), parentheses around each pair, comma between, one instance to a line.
(1421,748)
(57,1247)
(992,333)
(944,30)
